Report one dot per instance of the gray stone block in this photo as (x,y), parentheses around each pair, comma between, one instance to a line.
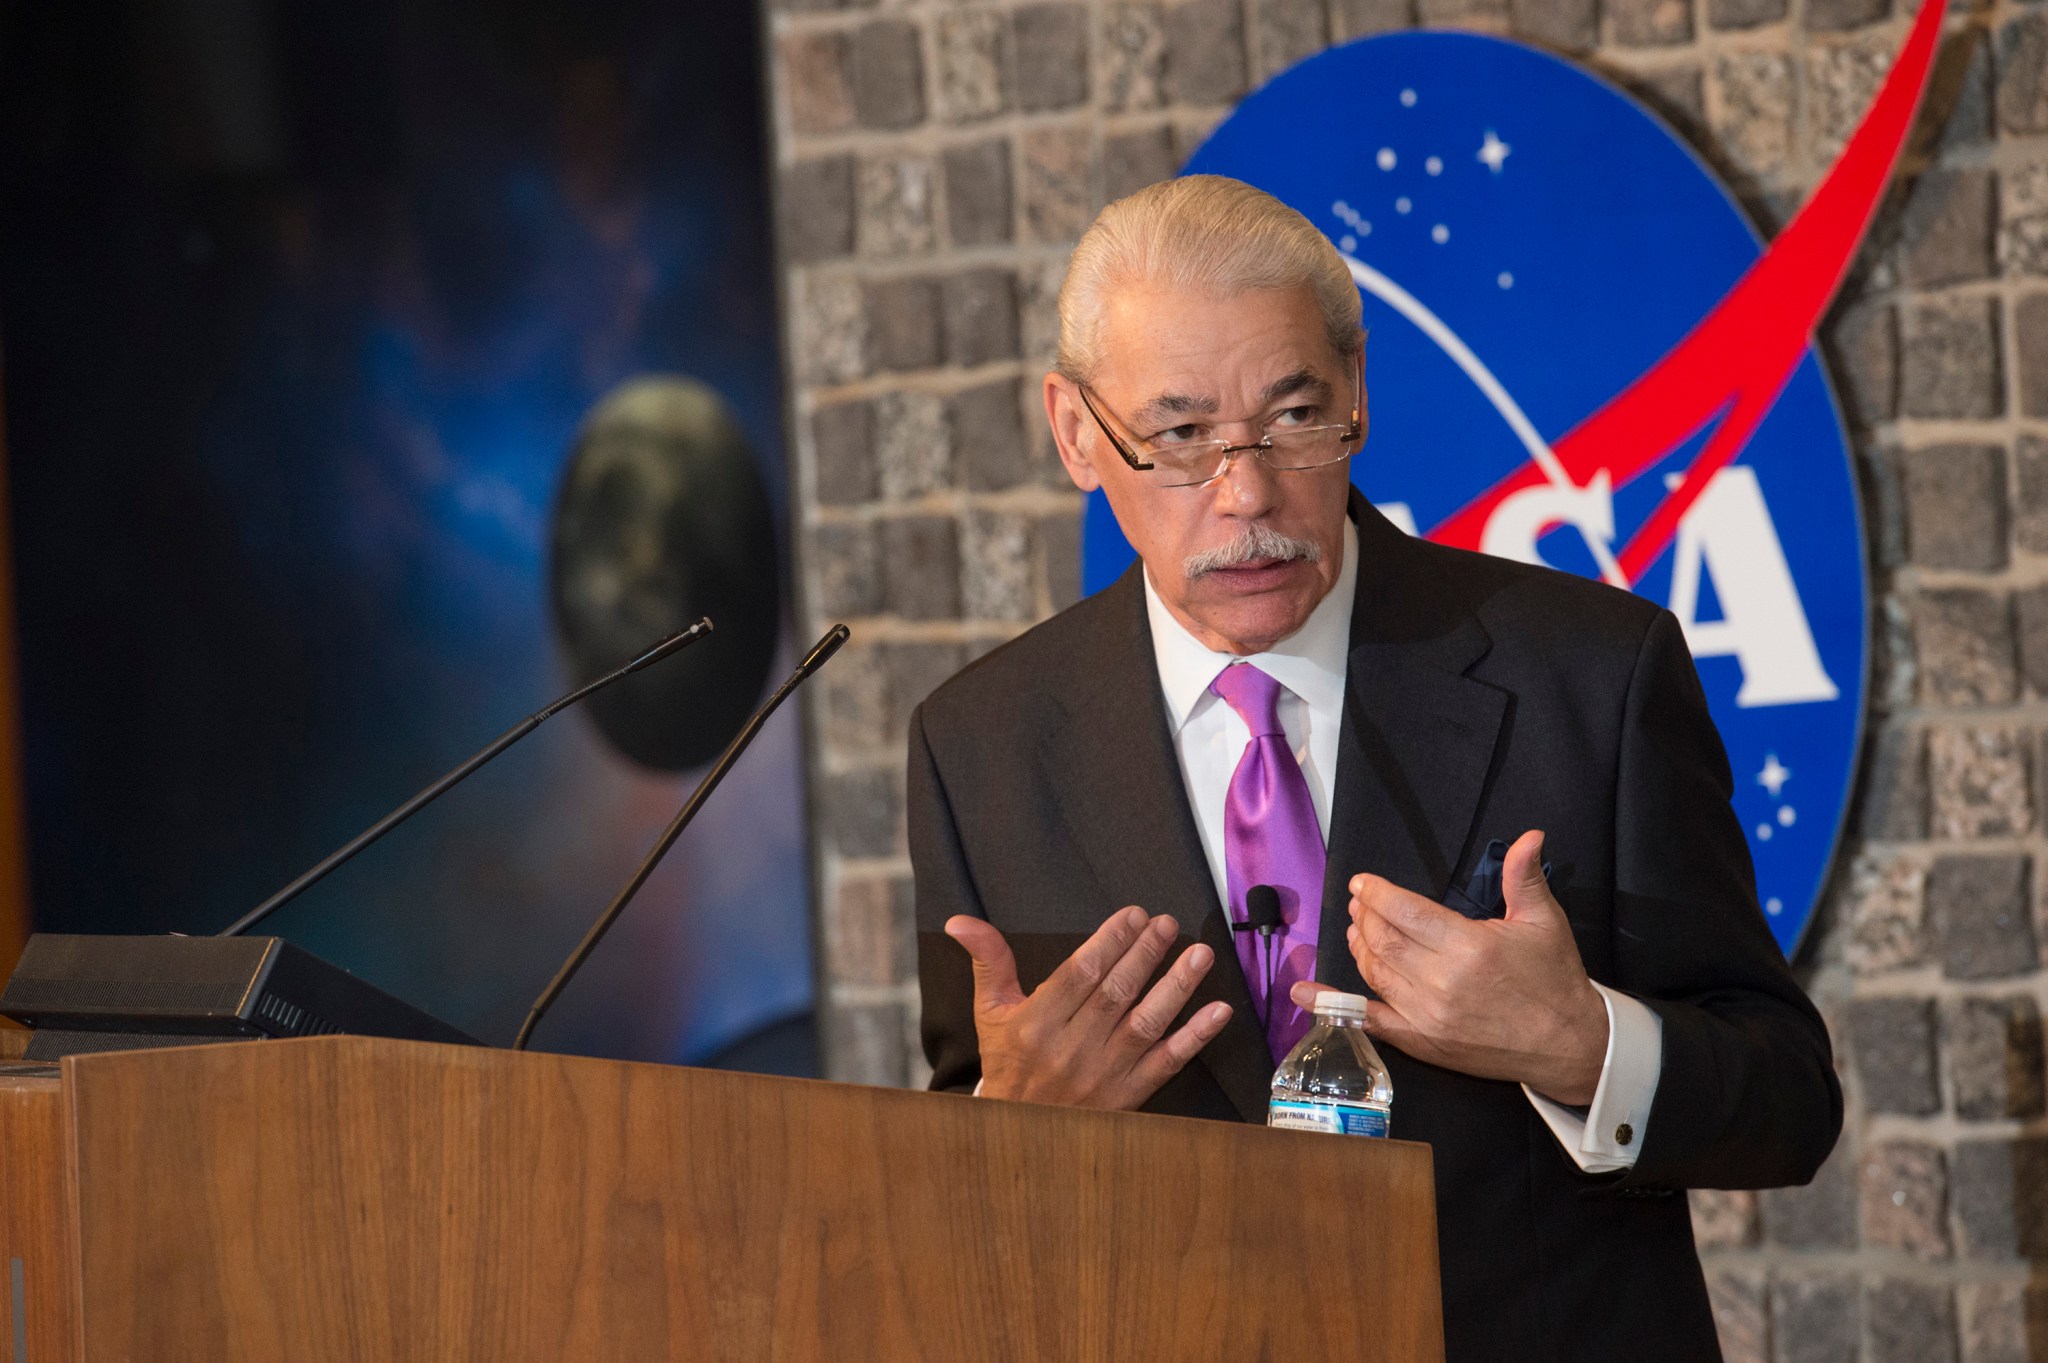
(897,203)
(1132,57)
(912,452)
(864,1043)
(1741,1314)
(1360,18)
(831,327)
(1977,783)
(1955,507)
(921,566)
(1895,786)
(1679,94)
(996,578)
(1836,16)
(817,81)
(1723,1218)
(903,322)
(1909,1322)
(816,211)
(888,74)
(1725,14)
(2030,322)
(1960,87)
(1059,541)
(2001,1192)
(1649,23)
(1815,1320)
(2004,1322)
(1821,1215)
(1865,341)
(1562,25)
(2030,514)
(2031,609)
(1949,365)
(851,702)
(1963,644)
(1991,1050)
(1287,31)
(980,315)
(870,933)
(2022,66)
(1892,1043)
(1841,81)
(863,814)
(988,435)
(973,65)
(914,671)
(847,569)
(1059,189)
(1051,47)
(843,458)
(2023,219)
(1982,922)
(1947,233)
(1885,908)
(978,204)
(1130,161)
(1754,124)
(1205,52)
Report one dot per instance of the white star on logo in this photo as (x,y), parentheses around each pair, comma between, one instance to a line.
(1774,775)
(1493,151)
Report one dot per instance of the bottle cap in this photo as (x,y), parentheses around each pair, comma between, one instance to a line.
(1340,1005)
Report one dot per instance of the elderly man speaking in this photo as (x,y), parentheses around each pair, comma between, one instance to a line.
(1288,691)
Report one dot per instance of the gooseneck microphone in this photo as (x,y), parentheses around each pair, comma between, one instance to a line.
(673,644)
(813,660)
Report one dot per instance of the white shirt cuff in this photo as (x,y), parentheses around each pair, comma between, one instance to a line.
(1610,1136)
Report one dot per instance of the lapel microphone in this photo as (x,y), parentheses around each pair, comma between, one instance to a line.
(1262,915)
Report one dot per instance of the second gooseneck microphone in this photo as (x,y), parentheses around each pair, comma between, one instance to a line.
(813,660)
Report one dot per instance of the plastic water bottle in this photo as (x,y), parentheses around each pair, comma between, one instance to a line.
(1333,1080)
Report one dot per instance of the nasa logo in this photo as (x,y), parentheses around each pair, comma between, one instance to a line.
(1582,356)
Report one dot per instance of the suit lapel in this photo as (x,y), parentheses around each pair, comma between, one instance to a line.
(1127,808)
(1417,740)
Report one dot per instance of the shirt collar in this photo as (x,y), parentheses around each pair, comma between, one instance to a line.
(1310,662)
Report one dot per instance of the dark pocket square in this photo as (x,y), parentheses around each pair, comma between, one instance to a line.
(1482,897)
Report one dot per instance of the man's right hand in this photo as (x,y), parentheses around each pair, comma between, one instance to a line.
(1085,1037)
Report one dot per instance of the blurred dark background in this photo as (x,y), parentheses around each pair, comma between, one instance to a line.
(302,310)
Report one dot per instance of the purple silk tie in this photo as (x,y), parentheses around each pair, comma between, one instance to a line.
(1270,837)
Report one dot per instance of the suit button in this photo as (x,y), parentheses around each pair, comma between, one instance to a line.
(1624,1133)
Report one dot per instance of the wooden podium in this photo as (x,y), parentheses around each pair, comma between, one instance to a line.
(352,1199)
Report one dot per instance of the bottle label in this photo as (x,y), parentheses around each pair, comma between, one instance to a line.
(1337,1119)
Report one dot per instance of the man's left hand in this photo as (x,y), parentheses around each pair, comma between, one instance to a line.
(1504,998)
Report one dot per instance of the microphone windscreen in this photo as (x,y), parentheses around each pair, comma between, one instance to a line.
(1262,906)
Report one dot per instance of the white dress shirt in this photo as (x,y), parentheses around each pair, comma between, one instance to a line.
(1311,663)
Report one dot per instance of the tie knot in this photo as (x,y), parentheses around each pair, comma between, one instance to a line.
(1253,694)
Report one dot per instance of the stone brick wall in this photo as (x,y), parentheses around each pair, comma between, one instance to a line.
(935,161)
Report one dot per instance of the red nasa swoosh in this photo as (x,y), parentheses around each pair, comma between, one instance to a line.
(1730,369)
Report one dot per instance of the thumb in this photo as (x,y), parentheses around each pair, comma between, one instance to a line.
(1522,881)
(995,969)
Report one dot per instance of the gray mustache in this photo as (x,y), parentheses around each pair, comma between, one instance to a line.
(1252,544)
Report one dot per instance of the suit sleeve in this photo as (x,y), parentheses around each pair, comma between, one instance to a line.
(1748,1096)
(944,888)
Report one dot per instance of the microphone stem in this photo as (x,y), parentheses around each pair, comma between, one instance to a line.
(824,649)
(336,859)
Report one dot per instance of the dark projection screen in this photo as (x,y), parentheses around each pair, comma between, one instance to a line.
(374,373)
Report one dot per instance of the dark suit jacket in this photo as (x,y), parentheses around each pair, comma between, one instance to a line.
(1484,698)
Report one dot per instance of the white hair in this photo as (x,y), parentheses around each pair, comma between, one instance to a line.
(1201,234)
